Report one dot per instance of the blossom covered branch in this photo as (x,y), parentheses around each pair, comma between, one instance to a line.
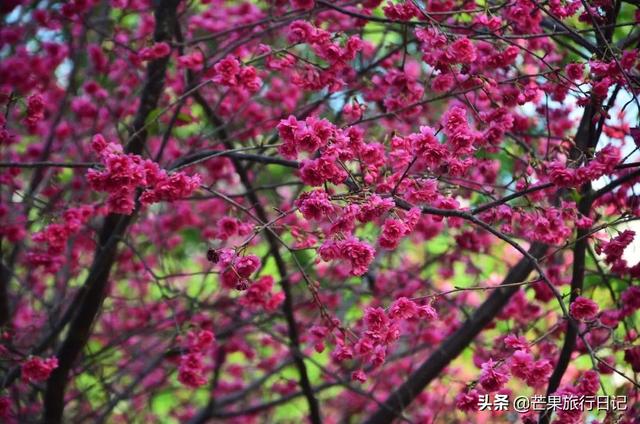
(312,210)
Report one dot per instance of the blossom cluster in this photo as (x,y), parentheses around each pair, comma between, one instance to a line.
(374,171)
(381,329)
(604,163)
(191,363)
(321,43)
(261,296)
(36,369)
(236,270)
(123,174)
(154,52)
(613,251)
(52,240)
(231,73)
(357,253)
(35,111)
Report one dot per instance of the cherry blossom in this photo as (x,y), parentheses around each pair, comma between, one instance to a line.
(306,210)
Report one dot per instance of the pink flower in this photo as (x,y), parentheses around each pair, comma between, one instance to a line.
(427,311)
(154,52)
(403,308)
(55,235)
(628,59)
(316,172)
(392,231)
(493,23)
(260,295)
(35,111)
(307,136)
(589,383)
(583,308)
(571,414)
(191,361)
(227,71)
(201,340)
(607,159)
(520,364)
(455,119)
(38,369)
(192,61)
(230,72)
(374,208)
(169,188)
(539,373)
(353,111)
(359,375)
(442,83)
(561,176)
(190,370)
(376,319)
(460,136)
(123,174)
(492,377)
(601,88)
(287,128)
(191,378)
(401,11)
(615,248)
(249,79)
(342,353)
(632,357)
(358,253)
(424,140)
(575,71)
(300,31)
(467,400)
(516,342)
(353,45)
(98,143)
(462,51)
(631,298)
(307,140)
(315,204)
(227,227)
(247,265)
(98,59)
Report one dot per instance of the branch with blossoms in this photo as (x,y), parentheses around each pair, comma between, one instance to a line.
(270,211)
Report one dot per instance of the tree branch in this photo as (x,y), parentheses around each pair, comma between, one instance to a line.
(95,286)
(458,341)
(586,139)
(287,308)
